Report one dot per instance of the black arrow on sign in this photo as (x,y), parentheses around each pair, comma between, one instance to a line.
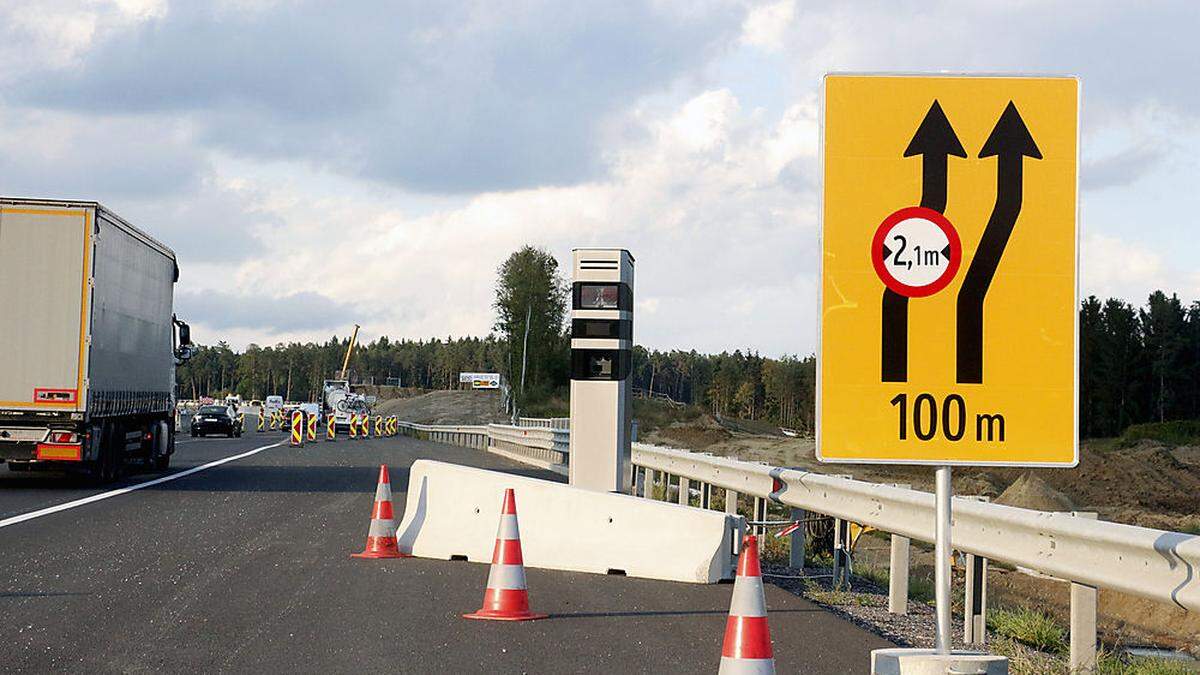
(1010,142)
(934,141)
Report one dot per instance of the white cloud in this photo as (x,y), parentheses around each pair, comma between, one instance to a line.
(1113,267)
(767,26)
(701,200)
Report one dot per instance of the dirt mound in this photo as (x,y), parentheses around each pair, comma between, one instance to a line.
(447,407)
(1030,491)
(696,435)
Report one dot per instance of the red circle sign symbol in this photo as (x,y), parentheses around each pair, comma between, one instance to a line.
(916,252)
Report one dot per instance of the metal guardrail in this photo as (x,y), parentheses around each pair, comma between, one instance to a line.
(466,436)
(1154,564)
(545,422)
(544,447)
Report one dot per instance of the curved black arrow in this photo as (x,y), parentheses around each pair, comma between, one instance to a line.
(934,141)
(1010,142)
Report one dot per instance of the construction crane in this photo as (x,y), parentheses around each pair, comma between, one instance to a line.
(343,374)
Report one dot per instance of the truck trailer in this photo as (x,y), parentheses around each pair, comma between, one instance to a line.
(88,340)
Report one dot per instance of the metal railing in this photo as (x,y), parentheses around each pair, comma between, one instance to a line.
(466,436)
(545,422)
(544,447)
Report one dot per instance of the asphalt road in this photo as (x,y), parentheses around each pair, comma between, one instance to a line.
(245,567)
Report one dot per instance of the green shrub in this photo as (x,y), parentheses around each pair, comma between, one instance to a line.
(1030,627)
(1177,432)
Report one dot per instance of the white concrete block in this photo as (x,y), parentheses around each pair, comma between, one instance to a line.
(453,510)
(927,662)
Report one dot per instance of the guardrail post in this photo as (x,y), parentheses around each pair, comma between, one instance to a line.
(705,496)
(841,541)
(760,514)
(975,596)
(898,570)
(898,575)
(648,483)
(796,554)
(731,497)
(684,488)
(1083,621)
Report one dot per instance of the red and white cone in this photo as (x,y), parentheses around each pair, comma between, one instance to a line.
(747,649)
(381,537)
(506,597)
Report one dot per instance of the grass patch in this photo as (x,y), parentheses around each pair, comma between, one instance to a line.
(1177,432)
(1030,627)
(1025,661)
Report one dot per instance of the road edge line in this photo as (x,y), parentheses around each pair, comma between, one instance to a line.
(13,520)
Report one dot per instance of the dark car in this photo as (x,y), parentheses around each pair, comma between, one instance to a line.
(215,419)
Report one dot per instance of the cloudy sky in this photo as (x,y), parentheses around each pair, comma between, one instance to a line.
(317,164)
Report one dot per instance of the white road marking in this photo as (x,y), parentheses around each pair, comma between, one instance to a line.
(131,488)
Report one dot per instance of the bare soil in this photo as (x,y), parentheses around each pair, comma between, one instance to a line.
(466,406)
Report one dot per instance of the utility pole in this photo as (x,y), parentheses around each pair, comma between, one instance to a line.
(525,347)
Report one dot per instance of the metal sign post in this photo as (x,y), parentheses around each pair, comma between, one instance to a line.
(942,551)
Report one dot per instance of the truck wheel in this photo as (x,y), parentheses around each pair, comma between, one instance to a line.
(103,468)
(160,449)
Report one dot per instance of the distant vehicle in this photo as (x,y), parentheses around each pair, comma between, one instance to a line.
(234,401)
(340,402)
(255,403)
(88,341)
(216,419)
(272,404)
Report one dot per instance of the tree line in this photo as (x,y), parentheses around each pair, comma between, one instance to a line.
(1136,364)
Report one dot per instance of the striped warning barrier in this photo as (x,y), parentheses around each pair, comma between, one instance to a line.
(378,426)
(331,428)
(312,427)
(261,425)
(506,597)
(297,428)
(353,431)
(747,648)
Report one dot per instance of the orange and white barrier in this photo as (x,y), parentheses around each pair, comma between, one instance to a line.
(747,647)
(381,536)
(506,597)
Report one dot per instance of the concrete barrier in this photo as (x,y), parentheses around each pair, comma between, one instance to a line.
(452,512)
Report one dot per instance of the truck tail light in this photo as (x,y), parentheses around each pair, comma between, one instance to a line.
(61,437)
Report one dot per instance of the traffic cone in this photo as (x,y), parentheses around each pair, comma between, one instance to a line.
(506,598)
(381,537)
(747,649)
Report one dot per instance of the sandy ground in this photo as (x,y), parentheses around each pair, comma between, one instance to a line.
(465,406)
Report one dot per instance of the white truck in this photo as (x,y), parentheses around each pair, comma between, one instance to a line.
(340,402)
(88,340)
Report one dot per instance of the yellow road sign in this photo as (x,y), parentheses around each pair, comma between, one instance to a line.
(948,270)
